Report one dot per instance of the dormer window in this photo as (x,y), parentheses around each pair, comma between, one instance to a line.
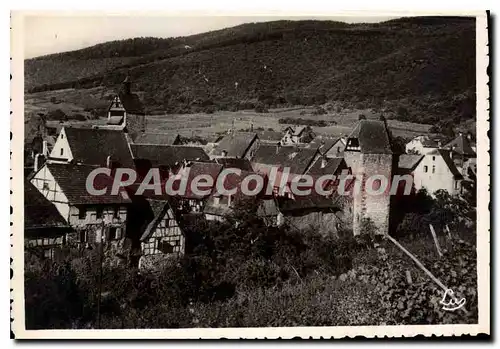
(353,144)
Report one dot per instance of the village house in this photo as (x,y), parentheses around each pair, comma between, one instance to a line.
(299,134)
(236,145)
(330,147)
(94,218)
(219,206)
(189,202)
(292,158)
(461,152)
(315,212)
(369,153)
(126,112)
(423,144)
(433,171)
(272,137)
(44,228)
(92,147)
(162,238)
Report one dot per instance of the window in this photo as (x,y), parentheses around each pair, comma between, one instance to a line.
(433,169)
(426,169)
(165,246)
(48,253)
(62,151)
(46,185)
(113,233)
(98,213)
(116,213)
(433,158)
(62,135)
(82,213)
(83,236)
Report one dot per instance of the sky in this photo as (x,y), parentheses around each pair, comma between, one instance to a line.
(49,33)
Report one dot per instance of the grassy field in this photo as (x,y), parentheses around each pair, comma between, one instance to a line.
(342,120)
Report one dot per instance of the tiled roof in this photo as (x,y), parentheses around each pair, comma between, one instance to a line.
(157,138)
(236,144)
(270,136)
(461,145)
(297,159)
(372,137)
(332,166)
(72,180)
(93,146)
(313,201)
(324,144)
(167,155)
(198,168)
(409,161)
(38,211)
(158,208)
(242,164)
(445,154)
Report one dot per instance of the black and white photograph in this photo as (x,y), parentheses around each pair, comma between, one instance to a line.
(250,176)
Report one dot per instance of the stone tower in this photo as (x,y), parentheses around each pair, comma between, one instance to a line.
(369,155)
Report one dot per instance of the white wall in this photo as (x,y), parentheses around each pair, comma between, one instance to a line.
(441,178)
(46,184)
(61,144)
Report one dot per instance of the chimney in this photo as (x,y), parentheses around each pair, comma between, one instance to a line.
(37,162)
(45,148)
(278,146)
(323,162)
(109,162)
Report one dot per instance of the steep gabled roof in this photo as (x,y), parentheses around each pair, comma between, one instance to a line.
(93,146)
(461,145)
(324,144)
(157,138)
(73,182)
(409,161)
(297,159)
(38,211)
(167,155)
(372,137)
(158,208)
(236,144)
(332,166)
(445,154)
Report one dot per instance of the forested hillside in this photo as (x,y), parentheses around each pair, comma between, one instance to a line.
(420,69)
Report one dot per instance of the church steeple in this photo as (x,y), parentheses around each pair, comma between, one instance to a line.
(126,85)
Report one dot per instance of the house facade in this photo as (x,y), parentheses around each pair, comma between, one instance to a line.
(299,134)
(45,230)
(437,171)
(93,219)
(423,144)
(162,238)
